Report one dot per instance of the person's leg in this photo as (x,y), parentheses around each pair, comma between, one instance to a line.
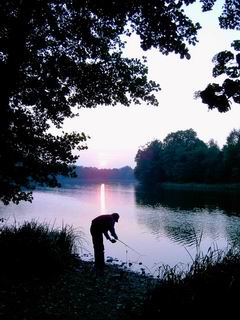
(98,252)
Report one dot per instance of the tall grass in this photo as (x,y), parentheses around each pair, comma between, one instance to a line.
(209,288)
(36,249)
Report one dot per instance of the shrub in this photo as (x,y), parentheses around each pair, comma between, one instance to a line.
(36,249)
(209,288)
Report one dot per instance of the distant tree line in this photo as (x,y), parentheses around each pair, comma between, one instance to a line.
(182,157)
(92,173)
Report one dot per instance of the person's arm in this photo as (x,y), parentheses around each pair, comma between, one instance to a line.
(113,233)
(106,235)
(108,238)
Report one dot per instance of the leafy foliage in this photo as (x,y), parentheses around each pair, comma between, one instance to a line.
(232,155)
(182,157)
(220,96)
(149,159)
(58,54)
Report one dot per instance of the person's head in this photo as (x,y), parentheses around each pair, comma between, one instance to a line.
(115,216)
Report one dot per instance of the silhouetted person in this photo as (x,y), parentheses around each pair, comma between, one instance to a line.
(102,225)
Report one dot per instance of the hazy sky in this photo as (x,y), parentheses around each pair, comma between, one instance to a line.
(118,132)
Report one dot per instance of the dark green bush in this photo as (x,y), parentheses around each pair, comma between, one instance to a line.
(210,288)
(36,249)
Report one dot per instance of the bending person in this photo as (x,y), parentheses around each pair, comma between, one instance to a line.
(100,226)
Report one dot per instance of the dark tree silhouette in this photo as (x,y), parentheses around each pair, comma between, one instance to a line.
(231,155)
(56,54)
(184,153)
(149,166)
(213,163)
(183,157)
(102,175)
(220,96)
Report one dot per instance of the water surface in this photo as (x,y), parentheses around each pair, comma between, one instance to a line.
(163,227)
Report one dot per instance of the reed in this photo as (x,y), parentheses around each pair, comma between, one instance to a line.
(36,249)
(210,286)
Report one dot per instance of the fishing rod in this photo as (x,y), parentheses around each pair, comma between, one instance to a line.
(130,247)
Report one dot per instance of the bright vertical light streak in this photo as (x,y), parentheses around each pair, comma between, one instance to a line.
(102,198)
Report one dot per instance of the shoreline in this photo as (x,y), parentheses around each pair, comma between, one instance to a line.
(77,294)
(204,187)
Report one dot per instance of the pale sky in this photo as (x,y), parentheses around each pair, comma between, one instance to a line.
(118,132)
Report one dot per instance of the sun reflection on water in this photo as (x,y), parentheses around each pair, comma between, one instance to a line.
(102,198)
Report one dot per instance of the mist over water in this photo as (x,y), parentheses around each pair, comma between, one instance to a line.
(159,227)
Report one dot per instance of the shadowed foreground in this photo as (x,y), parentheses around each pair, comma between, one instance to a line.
(77,294)
(42,278)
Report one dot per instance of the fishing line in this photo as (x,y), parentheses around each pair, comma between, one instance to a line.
(126,256)
(131,248)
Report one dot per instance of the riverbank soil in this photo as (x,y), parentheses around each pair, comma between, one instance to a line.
(76,294)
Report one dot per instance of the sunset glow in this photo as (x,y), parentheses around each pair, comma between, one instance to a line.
(118,132)
(103,163)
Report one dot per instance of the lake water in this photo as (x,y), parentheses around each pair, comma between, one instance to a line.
(163,227)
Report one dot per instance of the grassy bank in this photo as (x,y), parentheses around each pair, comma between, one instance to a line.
(36,249)
(210,288)
(71,291)
(41,278)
